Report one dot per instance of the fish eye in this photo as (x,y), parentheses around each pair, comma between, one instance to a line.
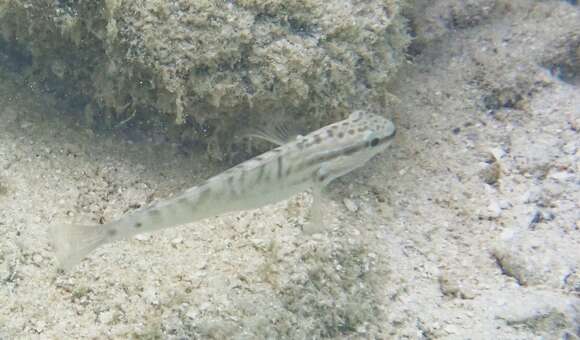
(374,142)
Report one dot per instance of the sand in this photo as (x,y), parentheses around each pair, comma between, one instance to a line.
(467,228)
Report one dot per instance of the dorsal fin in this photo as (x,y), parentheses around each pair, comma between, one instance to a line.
(278,134)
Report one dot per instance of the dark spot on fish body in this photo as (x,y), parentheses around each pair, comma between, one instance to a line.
(111,232)
(317,139)
(351,132)
(340,134)
(329,133)
(138,225)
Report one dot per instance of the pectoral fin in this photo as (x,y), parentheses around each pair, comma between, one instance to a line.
(316,223)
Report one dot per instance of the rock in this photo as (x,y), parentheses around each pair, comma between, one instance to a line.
(150,295)
(143,237)
(570,148)
(562,176)
(573,282)
(452,287)
(5,271)
(533,195)
(176,241)
(40,326)
(548,216)
(535,156)
(350,205)
(107,317)
(494,209)
(192,314)
(491,173)
(202,265)
(537,257)
(37,259)
(543,312)
(505,204)
(534,218)
(498,153)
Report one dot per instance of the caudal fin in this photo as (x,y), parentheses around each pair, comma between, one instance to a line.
(73,242)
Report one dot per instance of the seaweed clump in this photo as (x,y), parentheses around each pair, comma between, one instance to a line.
(210,64)
(323,290)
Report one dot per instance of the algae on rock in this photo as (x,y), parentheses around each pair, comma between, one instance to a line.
(214,64)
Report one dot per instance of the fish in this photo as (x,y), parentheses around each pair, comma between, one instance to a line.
(304,163)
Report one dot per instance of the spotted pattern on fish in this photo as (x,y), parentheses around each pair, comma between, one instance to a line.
(309,161)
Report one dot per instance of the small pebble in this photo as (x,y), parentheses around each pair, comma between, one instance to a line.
(570,148)
(505,204)
(535,218)
(150,296)
(494,209)
(106,317)
(491,173)
(561,176)
(350,205)
(192,314)
(533,195)
(451,329)
(548,216)
(498,153)
(202,265)
(176,241)
(37,259)
(40,326)
(143,237)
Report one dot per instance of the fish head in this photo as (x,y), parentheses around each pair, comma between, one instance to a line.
(372,134)
(350,143)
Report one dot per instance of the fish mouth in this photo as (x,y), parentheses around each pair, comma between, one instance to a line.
(391,136)
(394,133)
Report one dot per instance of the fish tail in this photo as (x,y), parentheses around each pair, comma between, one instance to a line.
(74,242)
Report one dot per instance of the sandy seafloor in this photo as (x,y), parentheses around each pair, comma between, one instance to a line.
(467,228)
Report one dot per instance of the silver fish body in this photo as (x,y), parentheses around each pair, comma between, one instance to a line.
(308,162)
